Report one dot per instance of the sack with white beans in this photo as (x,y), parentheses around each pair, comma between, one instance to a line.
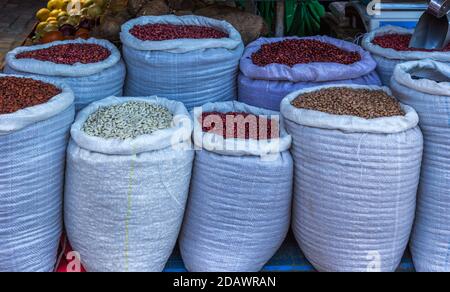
(125,199)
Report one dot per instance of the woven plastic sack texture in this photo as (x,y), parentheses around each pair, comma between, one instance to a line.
(125,199)
(425,85)
(33,145)
(89,82)
(240,202)
(193,71)
(266,86)
(354,188)
(387,59)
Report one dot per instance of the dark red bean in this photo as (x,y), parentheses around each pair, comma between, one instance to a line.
(19,93)
(69,54)
(162,32)
(400,42)
(293,52)
(251,128)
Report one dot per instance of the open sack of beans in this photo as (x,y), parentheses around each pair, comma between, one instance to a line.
(271,68)
(129,166)
(239,205)
(191,59)
(357,155)
(425,85)
(35,118)
(92,68)
(389,46)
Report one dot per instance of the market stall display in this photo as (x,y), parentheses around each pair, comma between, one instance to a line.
(239,205)
(425,85)
(390,46)
(127,179)
(35,118)
(192,70)
(271,68)
(357,157)
(67,19)
(92,68)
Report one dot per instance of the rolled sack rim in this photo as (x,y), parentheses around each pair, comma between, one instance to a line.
(238,147)
(48,68)
(403,76)
(310,72)
(399,55)
(178,136)
(346,123)
(233,41)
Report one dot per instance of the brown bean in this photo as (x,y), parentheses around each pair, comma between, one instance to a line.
(19,93)
(69,54)
(364,103)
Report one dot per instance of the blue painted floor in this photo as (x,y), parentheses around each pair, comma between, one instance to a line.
(288,259)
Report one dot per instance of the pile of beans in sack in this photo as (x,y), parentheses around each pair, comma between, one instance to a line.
(92,68)
(357,155)
(239,205)
(271,68)
(389,46)
(35,118)
(129,165)
(191,59)
(425,85)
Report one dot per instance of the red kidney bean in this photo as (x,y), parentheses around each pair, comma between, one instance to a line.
(162,32)
(253,127)
(293,52)
(69,54)
(400,42)
(19,93)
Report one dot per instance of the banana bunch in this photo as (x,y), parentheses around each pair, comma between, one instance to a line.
(307,17)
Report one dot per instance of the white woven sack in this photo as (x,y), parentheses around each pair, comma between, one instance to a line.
(33,145)
(425,85)
(355,185)
(240,199)
(125,199)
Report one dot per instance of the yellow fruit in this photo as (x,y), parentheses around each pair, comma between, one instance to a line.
(62,14)
(54,13)
(62,20)
(51,19)
(55,4)
(74,20)
(51,27)
(42,14)
(40,27)
(66,3)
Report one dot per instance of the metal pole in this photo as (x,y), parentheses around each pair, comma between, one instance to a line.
(280,11)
